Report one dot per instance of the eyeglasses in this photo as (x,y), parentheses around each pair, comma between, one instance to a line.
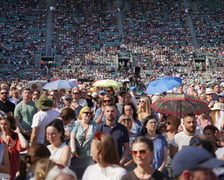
(141,152)
(88,113)
(106,101)
(128,119)
(4,92)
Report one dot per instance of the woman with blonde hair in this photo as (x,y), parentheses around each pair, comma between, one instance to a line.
(217,115)
(104,152)
(82,133)
(144,107)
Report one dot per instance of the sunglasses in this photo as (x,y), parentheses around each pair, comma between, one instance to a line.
(141,152)
(4,92)
(126,119)
(88,113)
(141,101)
(106,100)
(75,93)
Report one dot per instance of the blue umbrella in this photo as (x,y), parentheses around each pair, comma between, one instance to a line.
(163,84)
(59,84)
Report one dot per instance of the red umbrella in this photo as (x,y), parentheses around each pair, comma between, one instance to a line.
(180,105)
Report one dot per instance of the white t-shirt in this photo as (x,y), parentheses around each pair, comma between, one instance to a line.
(94,171)
(40,120)
(181,140)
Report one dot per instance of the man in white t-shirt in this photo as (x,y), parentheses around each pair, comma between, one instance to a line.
(182,139)
(44,116)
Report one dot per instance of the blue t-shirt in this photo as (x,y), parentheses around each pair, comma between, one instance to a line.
(159,144)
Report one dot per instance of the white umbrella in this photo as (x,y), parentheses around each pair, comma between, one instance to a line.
(59,84)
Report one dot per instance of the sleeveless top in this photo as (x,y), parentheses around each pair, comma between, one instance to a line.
(57,152)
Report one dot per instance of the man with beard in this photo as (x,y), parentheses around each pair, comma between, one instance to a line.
(182,139)
(116,130)
(5,105)
(24,113)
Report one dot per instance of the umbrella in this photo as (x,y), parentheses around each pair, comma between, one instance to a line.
(38,83)
(163,84)
(59,84)
(72,83)
(107,83)
(180,105)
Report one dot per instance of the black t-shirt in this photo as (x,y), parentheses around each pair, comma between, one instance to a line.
(7,106)
(157,175)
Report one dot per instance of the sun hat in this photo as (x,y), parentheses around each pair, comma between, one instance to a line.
(209,91)
(44,103)
(218,106)
(193,157)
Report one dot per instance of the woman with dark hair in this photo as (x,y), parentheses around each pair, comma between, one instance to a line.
(14,141)
(104,152)
(129,110)
(150,130)
(60,151)
(142,153)
(27,167)
(67,115)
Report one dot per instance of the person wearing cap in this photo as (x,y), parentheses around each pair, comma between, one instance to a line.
(24,113)
(67,100)
(44,116)
(217,115)
(182,139)
(195,163)
(209,97)
(102,94)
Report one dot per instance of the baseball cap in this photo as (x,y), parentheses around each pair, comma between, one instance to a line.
(102,92)
(67,96)
(132,88)
(193,157)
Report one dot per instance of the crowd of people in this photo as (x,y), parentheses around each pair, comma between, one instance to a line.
(119,131)
(44,132)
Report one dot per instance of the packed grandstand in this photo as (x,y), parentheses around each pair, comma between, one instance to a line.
(159,36)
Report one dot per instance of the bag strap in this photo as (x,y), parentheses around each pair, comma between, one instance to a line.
(84,138)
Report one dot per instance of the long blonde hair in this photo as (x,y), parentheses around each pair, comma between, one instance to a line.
(145,110)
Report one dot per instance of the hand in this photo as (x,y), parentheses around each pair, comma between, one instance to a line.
(17,130)
(122,161)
